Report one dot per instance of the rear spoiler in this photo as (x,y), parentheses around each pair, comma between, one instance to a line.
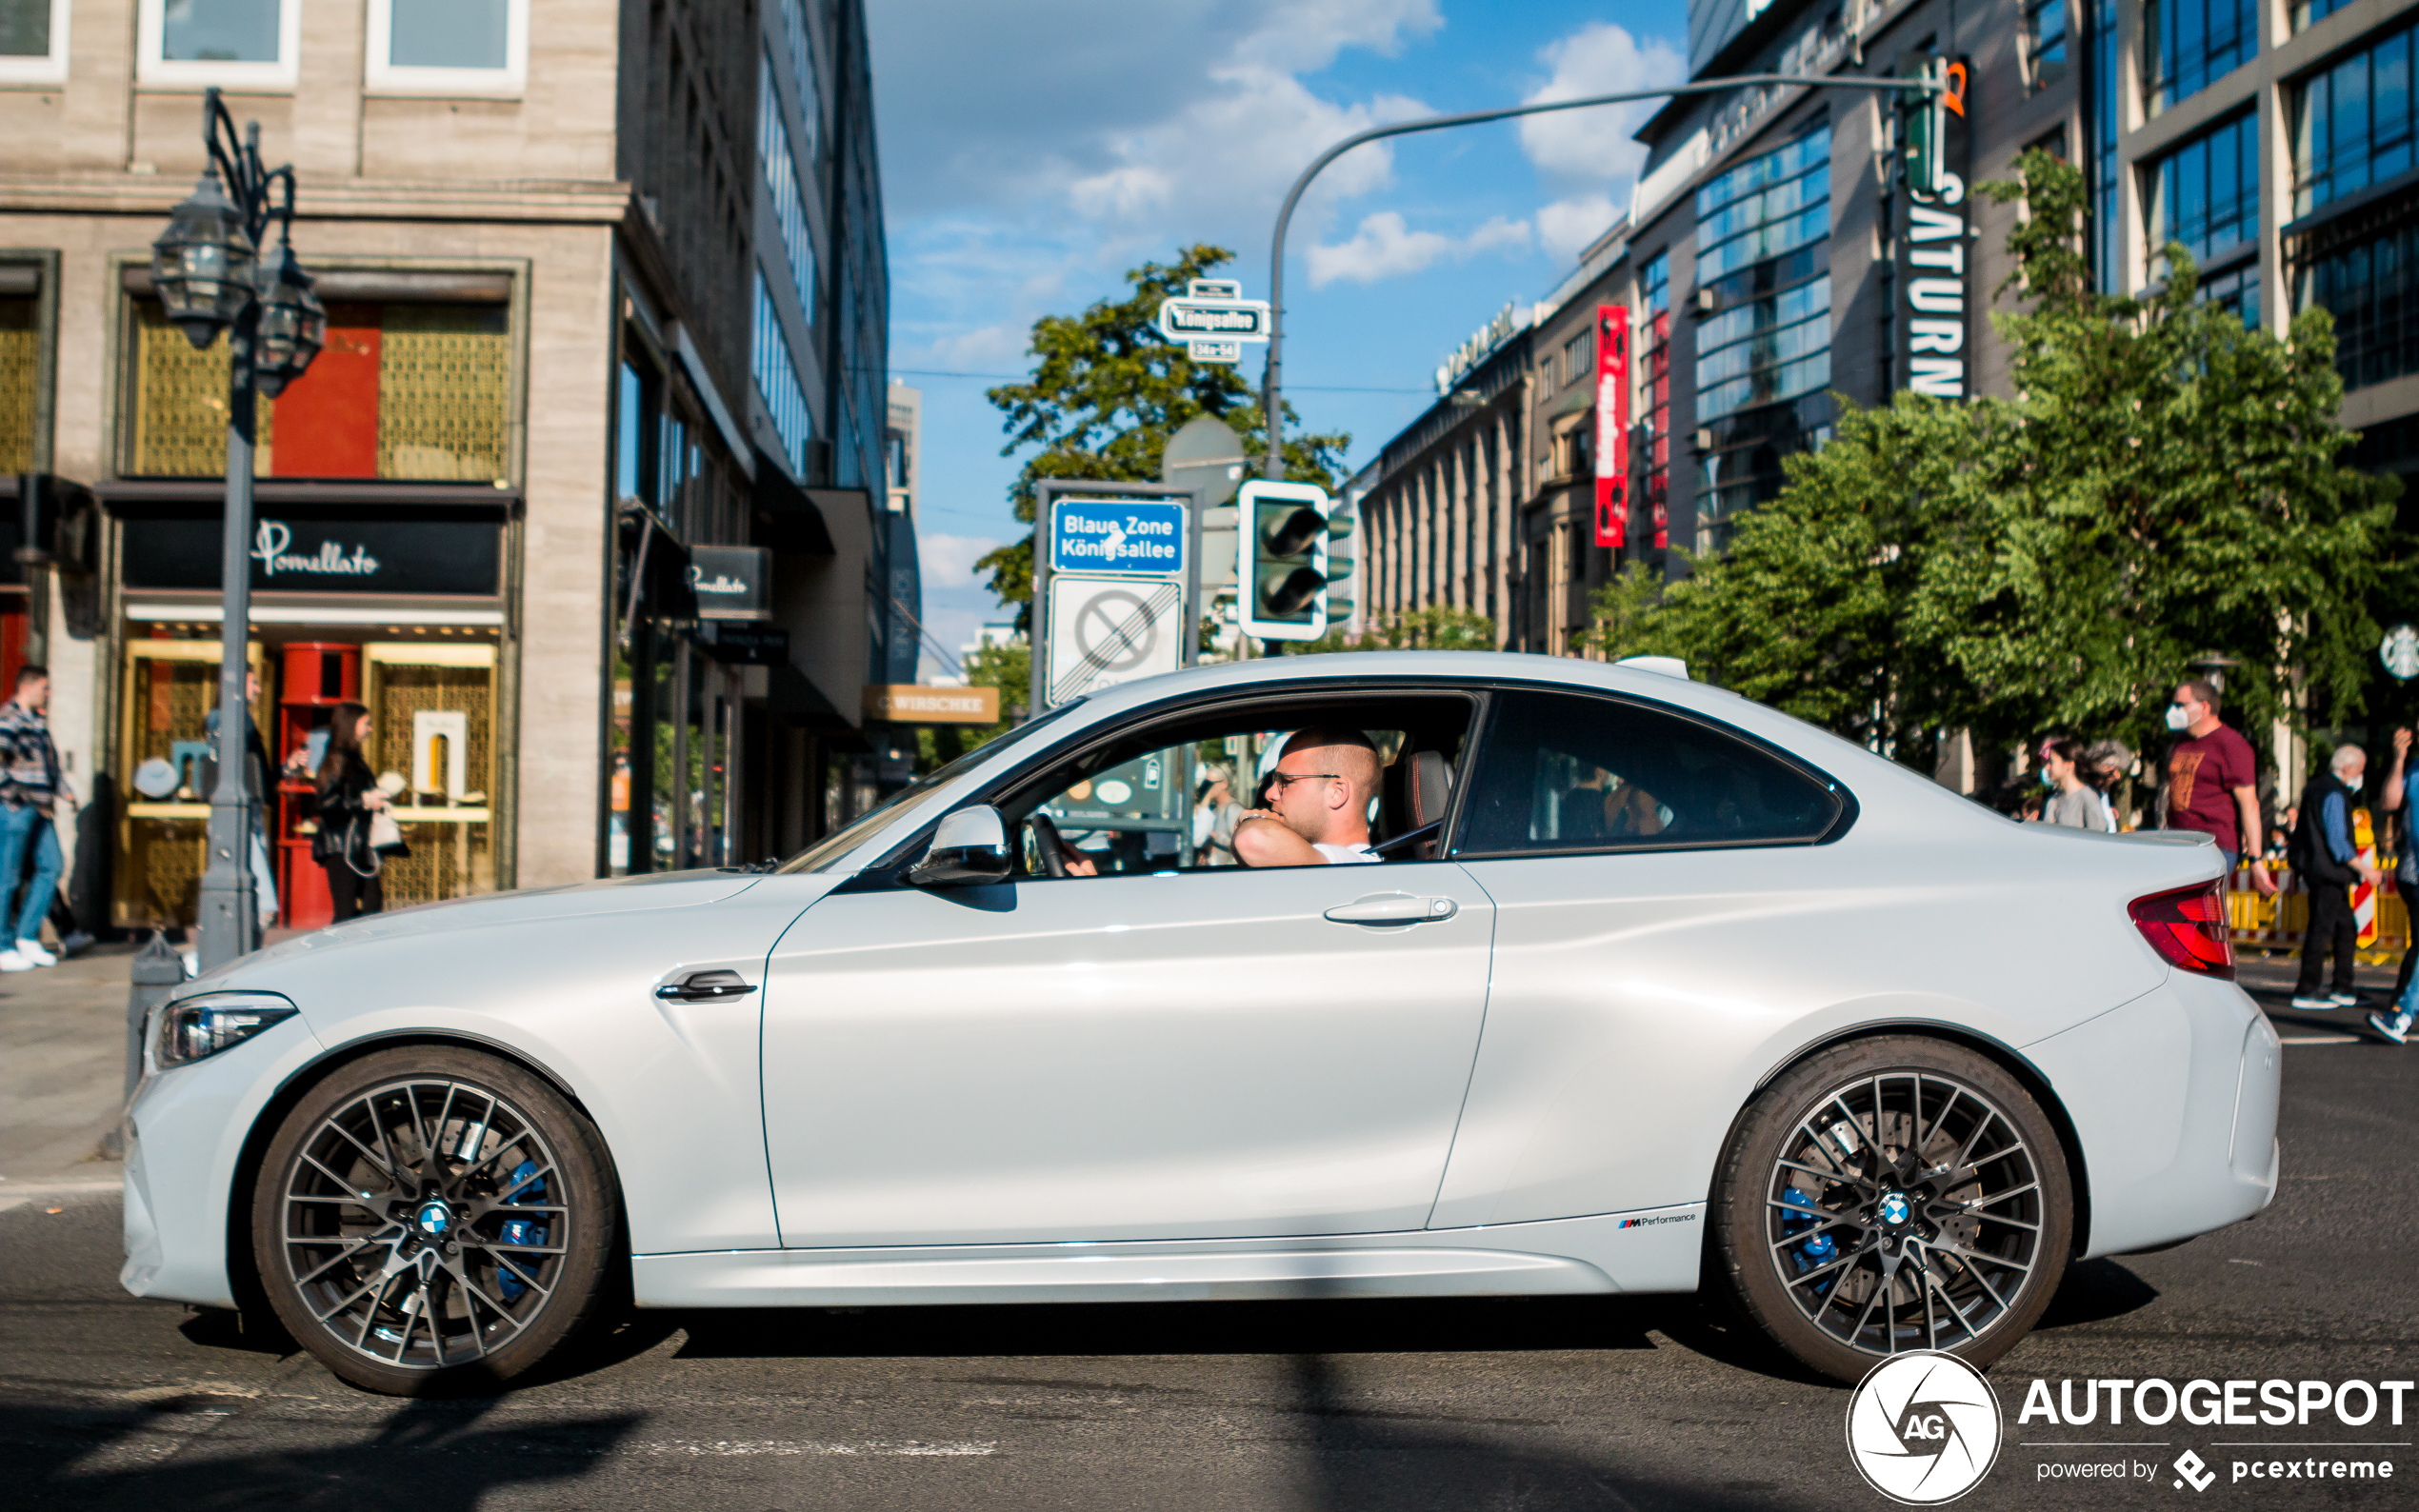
(2170,837)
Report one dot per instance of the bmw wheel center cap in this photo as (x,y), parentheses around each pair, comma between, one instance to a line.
(433,1218)
(1894,1208)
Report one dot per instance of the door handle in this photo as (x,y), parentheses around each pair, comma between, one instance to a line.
(1393,908)
(705,987)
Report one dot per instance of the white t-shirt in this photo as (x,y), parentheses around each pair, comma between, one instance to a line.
(1346,855)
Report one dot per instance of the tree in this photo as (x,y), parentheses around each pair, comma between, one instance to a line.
(1437,628)
(1107,392)
(1008,668)
(2165,484)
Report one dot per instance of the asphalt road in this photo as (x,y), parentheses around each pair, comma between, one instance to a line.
(109,1402)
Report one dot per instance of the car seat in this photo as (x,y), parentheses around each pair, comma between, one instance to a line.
(1413,792)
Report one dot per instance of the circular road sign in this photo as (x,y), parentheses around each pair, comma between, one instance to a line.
(2400,653)
(1114,630)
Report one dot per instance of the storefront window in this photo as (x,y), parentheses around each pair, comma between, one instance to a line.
(402,392)
(20,381)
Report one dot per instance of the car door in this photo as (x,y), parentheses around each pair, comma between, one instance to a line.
(1187,1054)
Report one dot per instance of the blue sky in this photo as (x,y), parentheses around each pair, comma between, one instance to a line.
(1033,153)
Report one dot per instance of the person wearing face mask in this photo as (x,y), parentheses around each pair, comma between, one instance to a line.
(2211,777)
(2323,852)
(2104,766)
(2069,801)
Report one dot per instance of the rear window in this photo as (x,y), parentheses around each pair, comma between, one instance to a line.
(1561,772)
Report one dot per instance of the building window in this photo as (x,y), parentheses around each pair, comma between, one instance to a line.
(33,41)
(2352,125)
(2309,12)
(1653,345)
(2206,194)
(20,381)
(781,181)
(448,46)
(802,70)
(244,43)
(1766,351)
(2372,289)
(1766,206)
(1579,355)
(777,383)
(2238,289)
(2101,125)
(2045,36)
(2189,45)
(402,391)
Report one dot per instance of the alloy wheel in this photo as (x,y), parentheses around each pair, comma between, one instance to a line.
(1905,1211)
(425,1223)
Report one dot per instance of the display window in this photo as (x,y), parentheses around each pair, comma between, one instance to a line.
(170,687)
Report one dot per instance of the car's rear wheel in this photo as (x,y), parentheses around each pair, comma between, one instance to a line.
(1892,1194)
(431,1218)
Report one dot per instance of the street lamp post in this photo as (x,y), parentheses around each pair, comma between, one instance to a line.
(1272,408)
(211,276)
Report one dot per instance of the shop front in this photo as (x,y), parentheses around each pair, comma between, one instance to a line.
(390,598)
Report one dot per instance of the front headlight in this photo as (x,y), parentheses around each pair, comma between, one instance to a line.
(193,1028)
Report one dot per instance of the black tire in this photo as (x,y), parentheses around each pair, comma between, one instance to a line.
(430,1182)
(1949,1231)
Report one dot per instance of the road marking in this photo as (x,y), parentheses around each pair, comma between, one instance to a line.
(911,1448)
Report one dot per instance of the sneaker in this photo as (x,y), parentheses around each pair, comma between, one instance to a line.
(12,961)
(2391,1029)
(31,951)
(2314,1004)
(2343,1000)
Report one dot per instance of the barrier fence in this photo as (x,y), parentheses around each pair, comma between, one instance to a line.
(2261,923)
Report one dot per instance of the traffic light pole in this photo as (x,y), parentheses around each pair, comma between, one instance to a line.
(1272,402)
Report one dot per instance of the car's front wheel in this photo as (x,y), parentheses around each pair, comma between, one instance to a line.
(1892,1194)
(431,1218)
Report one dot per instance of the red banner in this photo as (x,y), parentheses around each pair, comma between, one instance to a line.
(1612,424)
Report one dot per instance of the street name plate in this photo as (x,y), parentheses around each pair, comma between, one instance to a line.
(1211,349)
(1235,318)
(1139,537)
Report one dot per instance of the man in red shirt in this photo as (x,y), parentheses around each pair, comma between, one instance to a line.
(2211,777)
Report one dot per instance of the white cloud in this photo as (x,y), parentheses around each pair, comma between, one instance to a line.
(1566,226)
(1385,248)
(947,561)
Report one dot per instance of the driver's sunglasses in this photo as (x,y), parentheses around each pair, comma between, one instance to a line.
(1281,780)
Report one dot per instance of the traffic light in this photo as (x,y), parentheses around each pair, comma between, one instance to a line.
(1927,122)
(1343,556)
(1281,560)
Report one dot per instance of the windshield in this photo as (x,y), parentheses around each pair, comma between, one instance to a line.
(916,795)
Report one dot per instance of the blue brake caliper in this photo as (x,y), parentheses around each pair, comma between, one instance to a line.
(520,1230)
(1816,1251)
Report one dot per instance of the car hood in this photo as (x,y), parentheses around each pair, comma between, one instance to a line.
(671,889)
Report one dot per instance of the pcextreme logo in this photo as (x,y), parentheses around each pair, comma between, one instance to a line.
(1923,1428)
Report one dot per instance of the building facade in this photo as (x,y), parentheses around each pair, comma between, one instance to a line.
(592,272)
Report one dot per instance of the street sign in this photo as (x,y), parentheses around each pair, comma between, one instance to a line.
(1106,630)
(1233,319)
(2400,653)
(1213,348)
(1213,289)
(1141,537)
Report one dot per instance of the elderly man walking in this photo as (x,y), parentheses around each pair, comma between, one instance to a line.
(2322,853)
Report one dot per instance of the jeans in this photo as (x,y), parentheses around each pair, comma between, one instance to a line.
(22,825)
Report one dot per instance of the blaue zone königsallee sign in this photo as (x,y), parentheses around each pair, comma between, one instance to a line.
(1145,537)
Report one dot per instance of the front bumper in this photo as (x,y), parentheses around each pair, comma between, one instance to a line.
(185,1137)
(2173,1099)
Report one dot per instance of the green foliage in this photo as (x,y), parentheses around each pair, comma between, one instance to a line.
(1107,392)
(1009,668)
(2165,484)
(1437,628)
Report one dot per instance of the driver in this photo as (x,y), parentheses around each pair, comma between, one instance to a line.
(1318,799)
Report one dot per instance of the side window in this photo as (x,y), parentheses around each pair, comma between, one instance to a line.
(1559,772)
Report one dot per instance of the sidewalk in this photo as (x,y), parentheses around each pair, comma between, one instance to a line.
(62,1068)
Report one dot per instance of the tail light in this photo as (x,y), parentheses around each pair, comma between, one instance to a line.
(2188,927)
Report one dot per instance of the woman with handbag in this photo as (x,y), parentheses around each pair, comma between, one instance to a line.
(350,803)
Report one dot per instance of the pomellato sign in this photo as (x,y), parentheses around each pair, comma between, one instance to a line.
(272,547)
(343,554)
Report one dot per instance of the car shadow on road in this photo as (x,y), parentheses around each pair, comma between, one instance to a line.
(427,1457)
(2095,1291)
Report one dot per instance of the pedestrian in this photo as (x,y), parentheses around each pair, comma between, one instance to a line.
(348,796)
(257,769)
(2210,780)
(2322,851)
(1215,815)
(30,786)
(2105,766)
(2071,800)
(2393,797)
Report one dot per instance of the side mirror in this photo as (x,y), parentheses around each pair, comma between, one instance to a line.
(969,848)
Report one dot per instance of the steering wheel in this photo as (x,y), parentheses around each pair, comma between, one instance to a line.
(1048,841)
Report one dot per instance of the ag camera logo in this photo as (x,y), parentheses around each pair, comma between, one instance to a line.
(1923,1428)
